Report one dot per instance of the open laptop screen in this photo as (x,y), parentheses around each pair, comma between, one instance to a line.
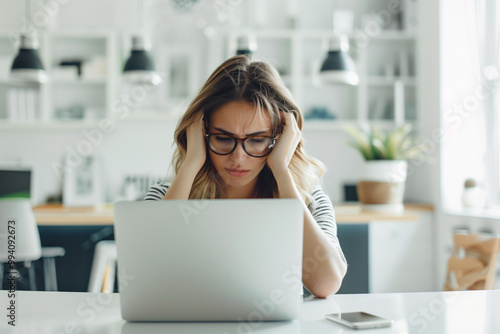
(15,183)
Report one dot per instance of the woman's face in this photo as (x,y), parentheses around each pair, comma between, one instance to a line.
(238,119)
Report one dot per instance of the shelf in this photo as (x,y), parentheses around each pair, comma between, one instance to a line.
(326,124)
(267,33)
(62,125)
(389,81)
(487,213)
(19,83)
(77,82)
(48,125)
(396,35)
(84,34)
(340,124)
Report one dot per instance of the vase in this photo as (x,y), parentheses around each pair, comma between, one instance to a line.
(381,185)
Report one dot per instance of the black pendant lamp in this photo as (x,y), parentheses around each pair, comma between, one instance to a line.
(140,67)
(338,67)
(27,65)
(246,44)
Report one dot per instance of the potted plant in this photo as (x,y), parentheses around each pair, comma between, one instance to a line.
(382,182)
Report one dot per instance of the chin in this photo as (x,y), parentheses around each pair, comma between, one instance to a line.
(237,181)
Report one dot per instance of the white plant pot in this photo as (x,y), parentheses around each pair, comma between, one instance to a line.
(381,185)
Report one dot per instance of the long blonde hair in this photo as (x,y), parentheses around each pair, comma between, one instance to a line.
(241,79)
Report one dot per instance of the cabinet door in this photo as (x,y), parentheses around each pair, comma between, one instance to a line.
(400,256)
(354,242)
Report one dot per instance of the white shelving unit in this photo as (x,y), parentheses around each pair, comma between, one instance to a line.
(386,64)
(297,53)
(92,91)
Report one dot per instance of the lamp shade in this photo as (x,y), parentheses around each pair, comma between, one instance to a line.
(17,219)
(338,67)
(246,44)
(27,64)
(140,67)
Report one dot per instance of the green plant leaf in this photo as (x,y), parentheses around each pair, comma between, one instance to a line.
(376,144)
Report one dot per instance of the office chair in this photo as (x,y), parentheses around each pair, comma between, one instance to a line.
(20,242)
(472,263)
(102,274)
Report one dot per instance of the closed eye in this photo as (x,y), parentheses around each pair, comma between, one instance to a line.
(223,139)
(257,140)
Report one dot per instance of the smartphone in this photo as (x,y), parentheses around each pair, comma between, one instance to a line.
(358,320)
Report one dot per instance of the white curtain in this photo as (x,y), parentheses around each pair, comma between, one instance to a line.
(487,18)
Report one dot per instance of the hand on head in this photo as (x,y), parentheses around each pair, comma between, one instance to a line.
(196,148)
(286,144)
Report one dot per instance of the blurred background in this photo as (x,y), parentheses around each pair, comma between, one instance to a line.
(92,121)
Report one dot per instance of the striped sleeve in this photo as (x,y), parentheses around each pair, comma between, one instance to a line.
(324,214)
(157,191)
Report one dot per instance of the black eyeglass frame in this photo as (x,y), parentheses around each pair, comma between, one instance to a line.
(236,141)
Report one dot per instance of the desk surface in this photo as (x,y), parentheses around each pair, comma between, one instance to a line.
(430,312)
(56,214)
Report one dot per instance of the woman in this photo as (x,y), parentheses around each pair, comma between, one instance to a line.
(241,138)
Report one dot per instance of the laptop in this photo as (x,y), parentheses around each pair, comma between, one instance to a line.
(209,260)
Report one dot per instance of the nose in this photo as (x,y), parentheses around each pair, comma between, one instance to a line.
(239,153)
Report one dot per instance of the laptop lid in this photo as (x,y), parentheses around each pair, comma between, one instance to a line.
(209,260)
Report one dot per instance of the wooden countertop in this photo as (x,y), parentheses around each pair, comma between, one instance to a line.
(57,214)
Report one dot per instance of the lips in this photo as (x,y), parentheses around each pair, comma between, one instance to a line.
(237,172)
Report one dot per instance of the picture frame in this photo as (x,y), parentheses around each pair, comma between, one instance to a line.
(82,183)
(181,66)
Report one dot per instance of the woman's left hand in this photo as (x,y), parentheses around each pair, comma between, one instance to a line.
(287,142)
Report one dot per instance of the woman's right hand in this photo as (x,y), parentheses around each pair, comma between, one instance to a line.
(196,151)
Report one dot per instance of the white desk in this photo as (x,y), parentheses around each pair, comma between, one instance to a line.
(430,312)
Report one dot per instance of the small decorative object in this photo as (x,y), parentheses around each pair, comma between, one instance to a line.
(473,195)
(382,183)
(183,6)
(82,181)
(320,113)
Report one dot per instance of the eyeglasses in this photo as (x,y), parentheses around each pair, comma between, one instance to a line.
(255,146)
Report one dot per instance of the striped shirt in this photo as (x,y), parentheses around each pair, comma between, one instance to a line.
(321,210)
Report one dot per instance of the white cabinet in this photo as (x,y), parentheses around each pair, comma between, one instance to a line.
(401,256)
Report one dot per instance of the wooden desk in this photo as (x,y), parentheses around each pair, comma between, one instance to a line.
(424,312)
(57,214)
